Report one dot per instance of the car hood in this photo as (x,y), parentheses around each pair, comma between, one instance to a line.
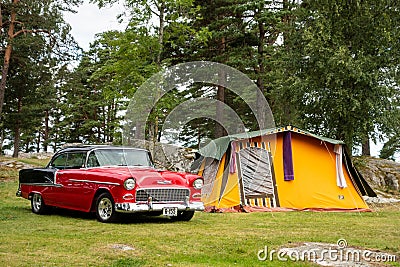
(145,176)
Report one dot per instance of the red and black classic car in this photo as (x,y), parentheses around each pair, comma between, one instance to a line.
(109,180)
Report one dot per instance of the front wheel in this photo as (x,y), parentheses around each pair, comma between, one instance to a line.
(183,216)
(105,210)
(37,204)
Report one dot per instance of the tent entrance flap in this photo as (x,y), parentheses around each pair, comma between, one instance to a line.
(256,178)
(210,172)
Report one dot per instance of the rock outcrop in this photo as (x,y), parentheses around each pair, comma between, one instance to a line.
(380,173)
(383,176)
(166,156)
(14,164)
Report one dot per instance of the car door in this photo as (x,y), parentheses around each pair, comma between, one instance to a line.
(76,190)
(53,195)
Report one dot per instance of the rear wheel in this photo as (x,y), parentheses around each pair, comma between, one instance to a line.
(105,209)
(183,216)
(37,204)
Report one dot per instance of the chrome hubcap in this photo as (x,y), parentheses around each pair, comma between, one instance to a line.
(105,208)
(37,201)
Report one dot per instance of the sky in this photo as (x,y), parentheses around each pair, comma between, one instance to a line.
(90,20)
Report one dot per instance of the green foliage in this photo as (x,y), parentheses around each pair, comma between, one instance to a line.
(340,56)
(323,66)
(329,67)
(41,44)
(390,148)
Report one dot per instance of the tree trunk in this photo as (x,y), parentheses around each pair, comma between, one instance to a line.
(366,149)
(161,33)
(55,143)
(260,82)
(161,48)
(1,141)
(219,129)
(38,142)
(4,73)
(17,129)
(7,55)
(46,131)
(113,119)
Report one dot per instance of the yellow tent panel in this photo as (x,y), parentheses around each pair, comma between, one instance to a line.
(230,196)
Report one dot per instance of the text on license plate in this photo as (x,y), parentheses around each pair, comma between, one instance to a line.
(170,211)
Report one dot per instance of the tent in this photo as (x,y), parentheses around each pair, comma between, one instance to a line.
(280,169)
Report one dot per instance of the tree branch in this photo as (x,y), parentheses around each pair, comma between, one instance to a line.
(154,12)
(30,31)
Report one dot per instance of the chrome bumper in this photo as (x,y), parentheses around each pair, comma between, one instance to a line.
(134,207)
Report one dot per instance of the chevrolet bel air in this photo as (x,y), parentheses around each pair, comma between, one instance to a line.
(110,180)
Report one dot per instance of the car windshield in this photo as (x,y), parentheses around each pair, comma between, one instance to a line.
(119,157)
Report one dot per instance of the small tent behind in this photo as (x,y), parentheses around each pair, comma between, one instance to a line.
(281,168)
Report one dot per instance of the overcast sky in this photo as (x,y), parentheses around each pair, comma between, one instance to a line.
(91,20)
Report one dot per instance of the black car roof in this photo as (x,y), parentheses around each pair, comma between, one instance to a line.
(86,148)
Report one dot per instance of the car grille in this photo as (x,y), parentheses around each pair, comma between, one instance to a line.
(162,194)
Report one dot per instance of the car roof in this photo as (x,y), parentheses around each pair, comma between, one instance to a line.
(86,148)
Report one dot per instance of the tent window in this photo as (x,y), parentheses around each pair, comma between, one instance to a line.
(256,172)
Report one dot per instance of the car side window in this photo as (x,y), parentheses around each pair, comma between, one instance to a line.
(92,160)
(75,160)
(59,162)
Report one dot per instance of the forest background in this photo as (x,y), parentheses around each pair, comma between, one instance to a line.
(328,67)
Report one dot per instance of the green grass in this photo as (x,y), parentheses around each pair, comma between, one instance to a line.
(77,239)
(35,162)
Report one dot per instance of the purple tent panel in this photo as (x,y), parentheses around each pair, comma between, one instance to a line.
(287,157)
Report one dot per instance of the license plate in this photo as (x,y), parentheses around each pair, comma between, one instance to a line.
(170,211)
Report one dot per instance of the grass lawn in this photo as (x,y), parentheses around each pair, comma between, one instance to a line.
(76,239)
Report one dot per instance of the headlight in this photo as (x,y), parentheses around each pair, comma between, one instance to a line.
(198,183)
(129,184)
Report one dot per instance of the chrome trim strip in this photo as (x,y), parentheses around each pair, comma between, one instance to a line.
(134,207)
(164,182)
(95,182)
(99,147)
(165,187)
(42,184)
(117,166)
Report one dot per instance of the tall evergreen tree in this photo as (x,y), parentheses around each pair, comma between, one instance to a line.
(340,56)
(35,41)
(28,17)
